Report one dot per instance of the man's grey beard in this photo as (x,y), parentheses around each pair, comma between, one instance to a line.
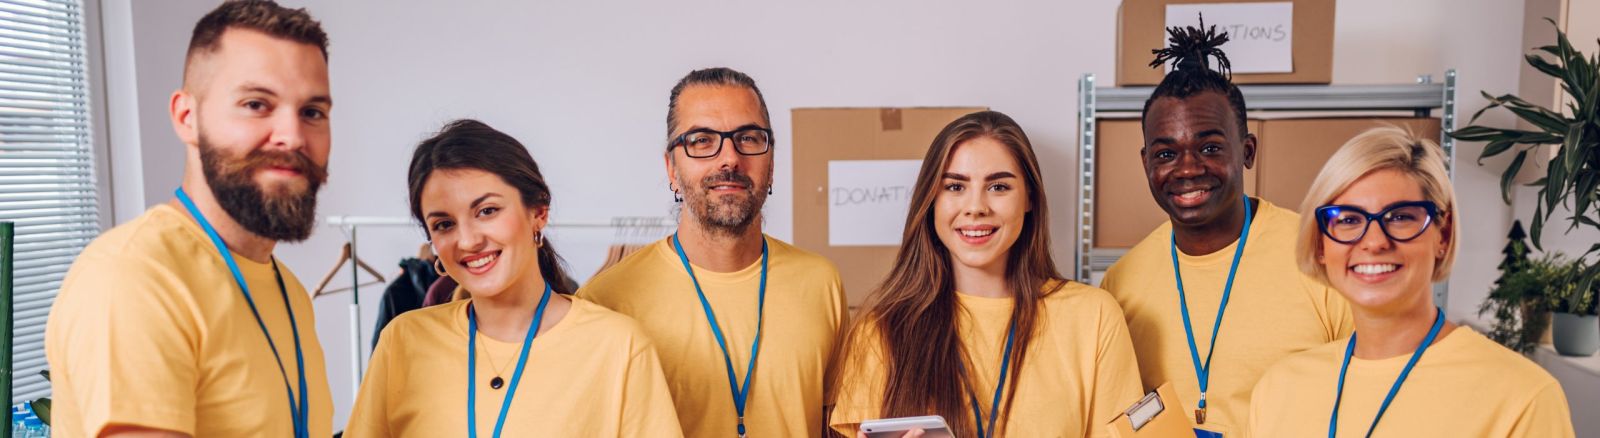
(728,216)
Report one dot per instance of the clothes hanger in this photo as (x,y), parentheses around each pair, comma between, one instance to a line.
(344,256)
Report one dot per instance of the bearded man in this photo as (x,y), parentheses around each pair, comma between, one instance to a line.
(702,293)
(181,322)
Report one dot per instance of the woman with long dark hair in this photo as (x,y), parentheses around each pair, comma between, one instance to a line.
(521,356)
(974,323)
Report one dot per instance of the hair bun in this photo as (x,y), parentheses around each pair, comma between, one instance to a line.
(1189,47)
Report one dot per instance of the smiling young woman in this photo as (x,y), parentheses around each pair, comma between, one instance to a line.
(521,357)
(1379,224)
(974,323)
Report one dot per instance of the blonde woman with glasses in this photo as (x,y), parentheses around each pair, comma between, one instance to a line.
(1380,225)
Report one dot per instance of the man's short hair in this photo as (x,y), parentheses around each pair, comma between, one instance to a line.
(715,76)
(263,16)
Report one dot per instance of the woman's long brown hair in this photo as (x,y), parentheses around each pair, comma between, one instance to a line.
(914,311)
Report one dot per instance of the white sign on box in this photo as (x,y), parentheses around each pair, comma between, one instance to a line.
(1260,35)
(868,201)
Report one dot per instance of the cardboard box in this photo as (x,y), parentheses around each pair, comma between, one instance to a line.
(1141,28)
(1293,151)
(826,134)
(1125,211)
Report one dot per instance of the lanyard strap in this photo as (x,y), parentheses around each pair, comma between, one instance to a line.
(1203,371)
(1350,349)
(741,394)
(298,412)
(472,366)
(999,388)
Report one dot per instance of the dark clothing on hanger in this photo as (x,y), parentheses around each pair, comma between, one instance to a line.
(405,294)
(440,292)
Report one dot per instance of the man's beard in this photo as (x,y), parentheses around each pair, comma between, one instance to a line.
(727,215)
(280,215)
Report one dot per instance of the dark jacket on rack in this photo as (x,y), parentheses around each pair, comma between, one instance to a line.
(405,293)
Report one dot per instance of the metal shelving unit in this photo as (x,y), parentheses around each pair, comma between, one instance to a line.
(1421,98)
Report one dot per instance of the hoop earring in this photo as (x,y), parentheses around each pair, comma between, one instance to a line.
(438,267)
(538,239)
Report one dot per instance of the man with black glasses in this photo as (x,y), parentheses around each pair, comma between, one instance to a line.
(745,323)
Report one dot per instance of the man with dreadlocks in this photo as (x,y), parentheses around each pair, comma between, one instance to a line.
(1213,297)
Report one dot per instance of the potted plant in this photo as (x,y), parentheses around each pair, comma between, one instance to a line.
(1572,181)
(1520,303)
(1573,178)
(1574,331)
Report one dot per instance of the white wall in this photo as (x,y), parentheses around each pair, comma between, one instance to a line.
(584,85)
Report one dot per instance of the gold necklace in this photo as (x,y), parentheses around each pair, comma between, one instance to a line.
(496,382)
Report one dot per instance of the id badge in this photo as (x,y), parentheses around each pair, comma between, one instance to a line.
(1202,433)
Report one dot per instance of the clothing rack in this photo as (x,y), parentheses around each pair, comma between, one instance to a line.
(350,224)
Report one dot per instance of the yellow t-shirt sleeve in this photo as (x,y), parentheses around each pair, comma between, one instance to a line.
(1116,376)
(841,325)
(647,409)
(1547,415)
(1260,396)
(861,381)
(1335,309)
(370,417)
(131,343)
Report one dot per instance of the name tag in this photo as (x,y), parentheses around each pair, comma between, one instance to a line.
(1202,433)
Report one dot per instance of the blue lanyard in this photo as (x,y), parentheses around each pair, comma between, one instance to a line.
(741,394)
(1350,349)
(1203,372)
(298,412)
(472,366)
(999,388)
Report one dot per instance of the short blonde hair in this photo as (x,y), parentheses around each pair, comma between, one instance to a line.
(1382,148)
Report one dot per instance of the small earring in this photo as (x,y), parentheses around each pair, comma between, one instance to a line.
(676,197)
(769,189)
(438,267)
(538,239)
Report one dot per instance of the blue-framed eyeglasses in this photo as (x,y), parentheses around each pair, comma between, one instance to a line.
(1402,221)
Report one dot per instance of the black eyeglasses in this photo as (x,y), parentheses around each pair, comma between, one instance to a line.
(1402,222)
(707,143)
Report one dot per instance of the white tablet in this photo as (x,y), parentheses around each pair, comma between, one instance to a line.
(933,426)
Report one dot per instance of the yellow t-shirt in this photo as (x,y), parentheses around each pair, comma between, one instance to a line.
(804,311)
(593,374)
(1273,311)
(1464,386)
(1079,371)
(150,330)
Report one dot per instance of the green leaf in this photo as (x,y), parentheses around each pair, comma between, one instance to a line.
(1480,112)
(1543,118)
(1569,146)
(1556,180)
(41,409)
(1475,133)
(1495,147)
(1509,175)
(1536,228)
(1585,189)
(1543,66)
